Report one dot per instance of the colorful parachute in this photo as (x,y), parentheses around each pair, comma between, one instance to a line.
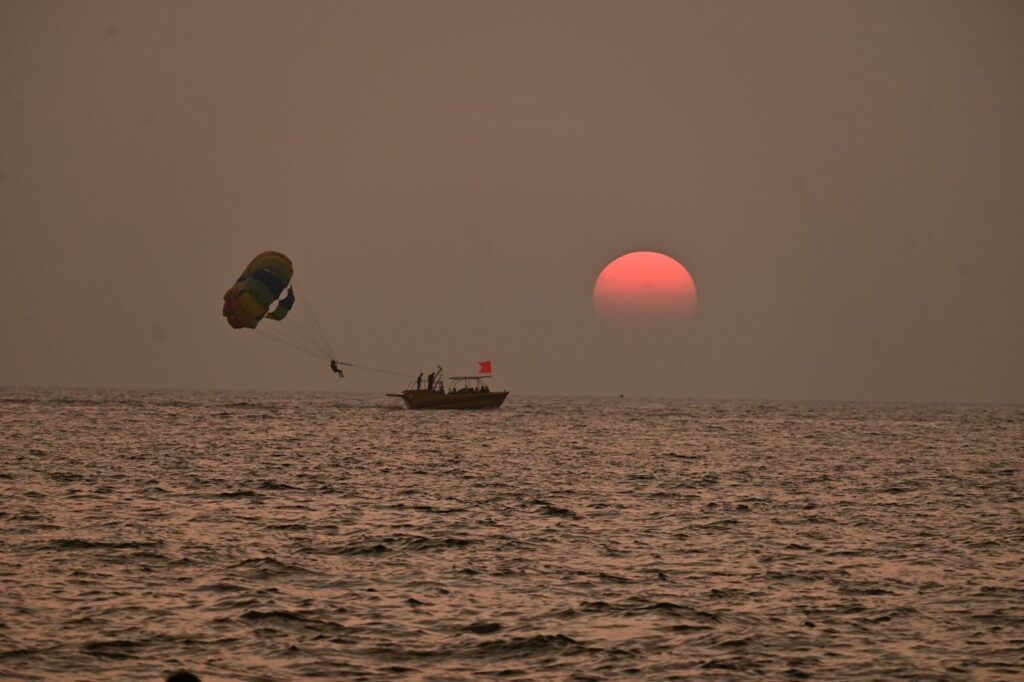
(258,289)
(257,295)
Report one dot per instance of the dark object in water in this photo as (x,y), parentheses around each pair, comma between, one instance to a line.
(182,676)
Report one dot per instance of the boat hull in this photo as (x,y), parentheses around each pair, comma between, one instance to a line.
(469,400)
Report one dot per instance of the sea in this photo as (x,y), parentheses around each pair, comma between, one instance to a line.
(287,536)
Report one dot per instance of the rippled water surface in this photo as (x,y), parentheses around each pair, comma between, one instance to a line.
(285,536)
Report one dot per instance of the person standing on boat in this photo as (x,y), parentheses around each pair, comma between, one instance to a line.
(419,381)
(430,381)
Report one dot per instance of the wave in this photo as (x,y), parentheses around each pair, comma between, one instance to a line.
(398,543)
(553,510)
(79,544)
(559,645)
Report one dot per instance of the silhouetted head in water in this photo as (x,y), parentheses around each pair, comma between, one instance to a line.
(182,676)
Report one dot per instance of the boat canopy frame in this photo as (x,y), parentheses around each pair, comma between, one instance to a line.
(472,382)
(454,384)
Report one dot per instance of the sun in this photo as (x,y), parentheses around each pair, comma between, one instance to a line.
(645,287)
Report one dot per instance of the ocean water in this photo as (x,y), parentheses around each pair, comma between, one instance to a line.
(279,536)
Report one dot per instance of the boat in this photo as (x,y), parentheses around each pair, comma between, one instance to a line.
(463,393)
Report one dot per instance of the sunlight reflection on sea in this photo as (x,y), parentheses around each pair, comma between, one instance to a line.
(279,536)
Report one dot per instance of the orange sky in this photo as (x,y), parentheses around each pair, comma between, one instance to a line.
(842,180)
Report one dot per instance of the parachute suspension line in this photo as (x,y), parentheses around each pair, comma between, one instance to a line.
(291,332)
(298,331)
(298,325)
(311,347)
(289,337)
(303,324)
(316,335)
(319,329)
(290,345)
(285,340)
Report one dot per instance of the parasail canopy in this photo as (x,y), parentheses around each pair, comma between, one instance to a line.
(256,293)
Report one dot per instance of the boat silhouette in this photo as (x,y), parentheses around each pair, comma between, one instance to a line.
(463,393)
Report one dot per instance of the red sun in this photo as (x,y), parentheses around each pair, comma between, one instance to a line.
(645,287)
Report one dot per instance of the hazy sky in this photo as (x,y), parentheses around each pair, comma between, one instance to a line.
(844,180)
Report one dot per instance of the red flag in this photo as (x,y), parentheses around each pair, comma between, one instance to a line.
(485,367)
